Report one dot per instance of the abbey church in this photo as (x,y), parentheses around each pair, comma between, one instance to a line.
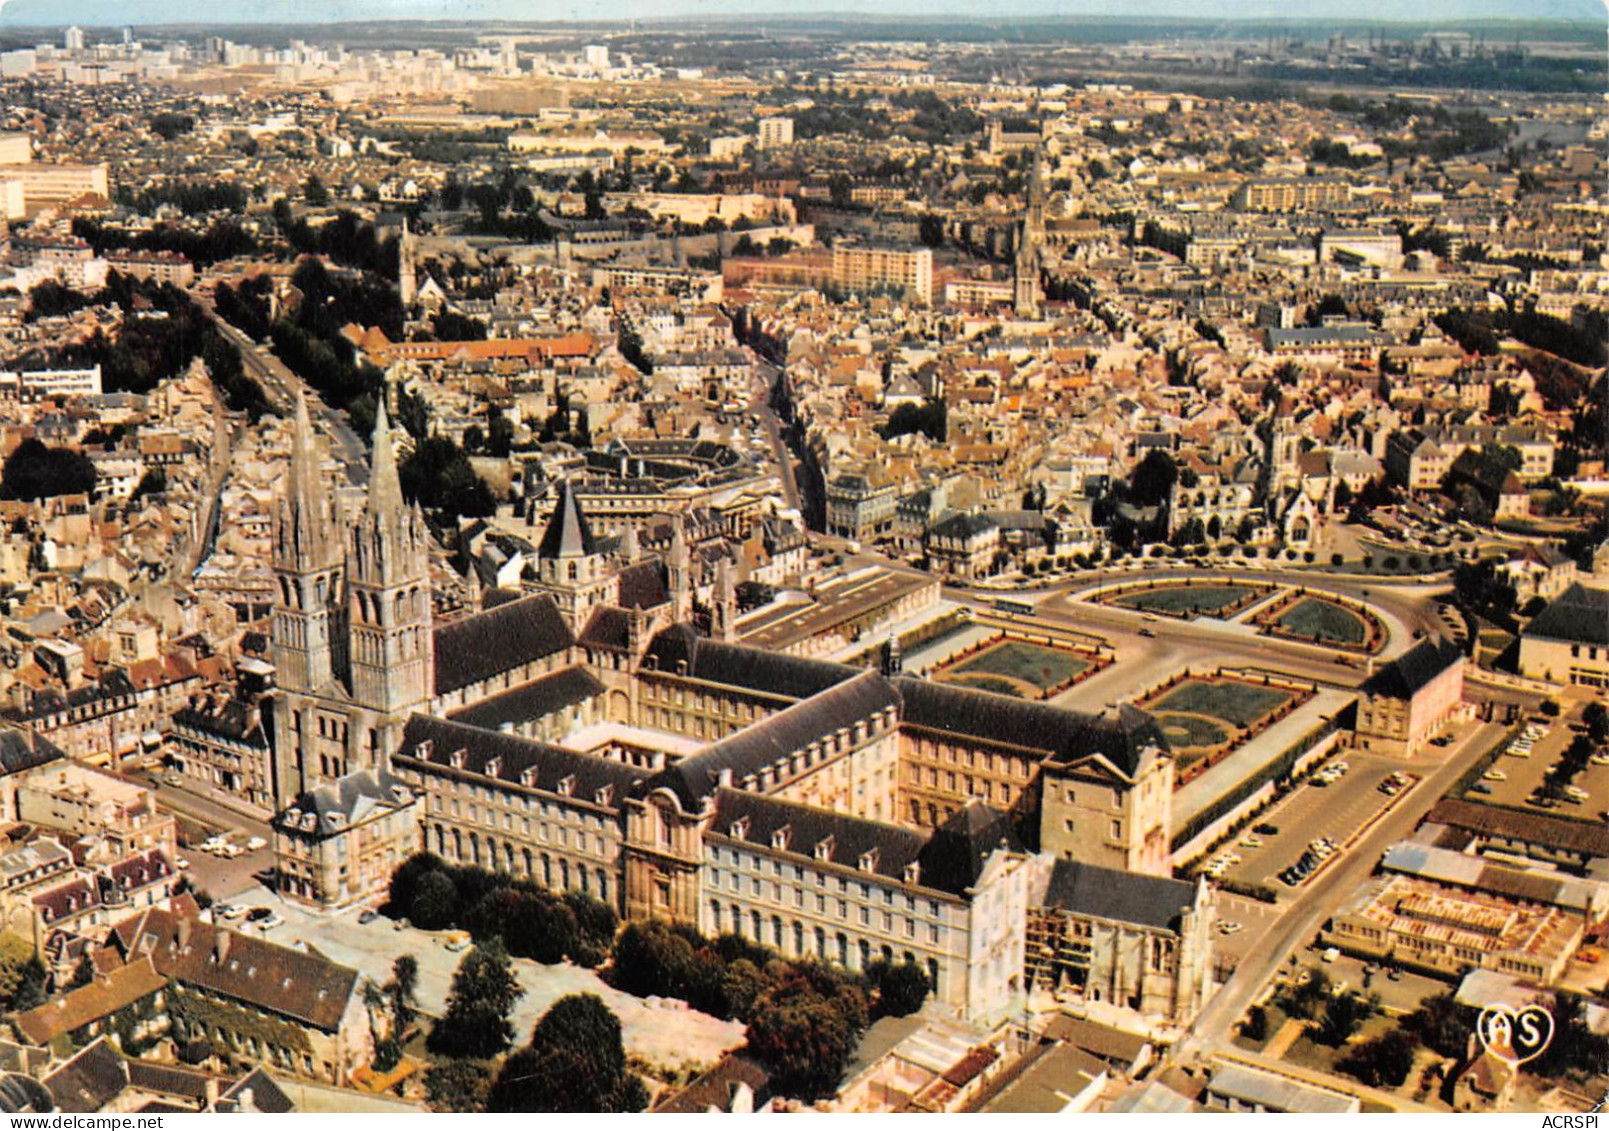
(581,732)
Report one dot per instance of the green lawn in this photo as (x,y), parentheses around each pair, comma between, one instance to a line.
(1185,600)
(1315,617)
(1034,664)
(1186,731)
(980,682)
(1237,703)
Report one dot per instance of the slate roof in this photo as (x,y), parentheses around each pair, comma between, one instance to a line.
(1411,672)
(954,856)
(1563,833)
(18,752)
(534,700)
(738,665)
(307,988)
(1121,736)
(1578,615)
(1118,896)
(568,534)
(807,826)
(257,1091)
(515,755)
(477,647)
(608,627)
(764,743)
(642,586)
(344,802)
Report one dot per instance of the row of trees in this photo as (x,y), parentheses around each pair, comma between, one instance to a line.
(148,351)
(532,921)
(804,1016)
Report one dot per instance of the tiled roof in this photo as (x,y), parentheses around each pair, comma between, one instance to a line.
(756,819)
(307,988)
(100,998)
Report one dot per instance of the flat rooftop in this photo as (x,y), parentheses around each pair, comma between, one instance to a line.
(839,602)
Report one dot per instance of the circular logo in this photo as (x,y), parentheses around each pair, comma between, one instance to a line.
(1515,1035)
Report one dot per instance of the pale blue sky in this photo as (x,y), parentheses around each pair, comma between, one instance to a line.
(58,13)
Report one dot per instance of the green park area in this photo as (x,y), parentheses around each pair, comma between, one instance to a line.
(1017,667)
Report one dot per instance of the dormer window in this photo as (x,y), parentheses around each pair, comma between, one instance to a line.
(868,860)
(604,795)
(425,749)
(739,829)
(824,848)
(528,777)
(913,872)
(567,785)
(457,758)
(780,838)
(494,766)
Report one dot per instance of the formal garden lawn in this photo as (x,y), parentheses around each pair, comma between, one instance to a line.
(1185,732)
(1313,618)
(1017,667)
(1235,702)
(1187,600)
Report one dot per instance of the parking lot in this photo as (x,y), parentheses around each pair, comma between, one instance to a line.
(1255,919)
(1398,997)
(666,1036)
(1522,776)
(1337,811)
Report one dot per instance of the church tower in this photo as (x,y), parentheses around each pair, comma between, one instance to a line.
(571,566)
(388,575)
(407,279)
(679,573)
(1030,238)
(723,606)
(306,627)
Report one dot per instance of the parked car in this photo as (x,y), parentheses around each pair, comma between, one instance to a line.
(255,843)
(368,916)
(272,920)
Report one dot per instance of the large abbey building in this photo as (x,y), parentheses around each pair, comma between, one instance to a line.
(582,733)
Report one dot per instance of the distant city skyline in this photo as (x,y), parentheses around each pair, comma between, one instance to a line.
(102,13)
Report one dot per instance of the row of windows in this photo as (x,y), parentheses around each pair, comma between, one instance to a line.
(795,940)
(753,867)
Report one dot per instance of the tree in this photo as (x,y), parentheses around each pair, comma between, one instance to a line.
(1152,480)
(1442,1025)
(803,1037)
(1386,1059)
(402,990)
(482,996)
(1596,718)
(457,1085)
(30,991)
(435,903)
(1255,1027)
(1344,1013)
(314,192)
(576,1061)
(1575,1048)
(35,471)
(900,989)
(153,482)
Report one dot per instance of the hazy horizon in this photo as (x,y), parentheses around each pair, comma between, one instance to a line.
(114,13)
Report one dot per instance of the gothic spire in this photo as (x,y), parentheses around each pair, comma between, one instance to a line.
(567,534)
(385,489)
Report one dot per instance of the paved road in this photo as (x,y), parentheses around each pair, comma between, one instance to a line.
(760,403)
(281,386)
(1323,895)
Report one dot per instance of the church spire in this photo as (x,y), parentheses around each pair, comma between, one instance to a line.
(385,488)
(305,529)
